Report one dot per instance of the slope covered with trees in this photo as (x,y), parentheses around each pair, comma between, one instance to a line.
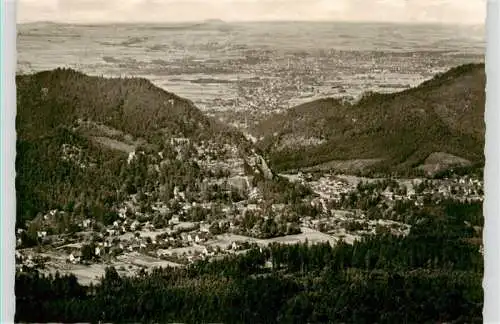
(63,119)
(133,105)
(398,130)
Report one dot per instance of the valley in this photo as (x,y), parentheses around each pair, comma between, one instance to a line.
(119,180)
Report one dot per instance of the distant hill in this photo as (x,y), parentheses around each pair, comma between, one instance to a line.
(395,132)
(214,21)
(133,105)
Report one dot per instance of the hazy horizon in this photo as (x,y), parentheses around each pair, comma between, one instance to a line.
(453,12)
(180,22)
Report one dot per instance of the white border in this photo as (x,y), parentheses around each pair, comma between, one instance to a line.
(7,159)
(491,281)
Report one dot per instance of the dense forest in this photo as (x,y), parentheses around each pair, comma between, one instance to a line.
(132,105)
(444,114)
(432,275)
(53,105)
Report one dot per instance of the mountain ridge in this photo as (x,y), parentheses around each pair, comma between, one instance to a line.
(444,114)
(133,105)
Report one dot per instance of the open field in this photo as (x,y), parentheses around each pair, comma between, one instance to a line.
(126,264)
(308,234)
(114,144)
(342,166)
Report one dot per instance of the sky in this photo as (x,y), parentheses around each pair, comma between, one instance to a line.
(109,11)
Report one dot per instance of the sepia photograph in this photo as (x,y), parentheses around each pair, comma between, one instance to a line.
(250,161)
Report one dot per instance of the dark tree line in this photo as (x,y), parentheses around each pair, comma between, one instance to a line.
(432,275)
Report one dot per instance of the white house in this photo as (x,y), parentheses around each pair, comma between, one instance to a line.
(234,246)
(86,223)
(134,225)
(174,220)
(131,157)
(74,258)
(122,213)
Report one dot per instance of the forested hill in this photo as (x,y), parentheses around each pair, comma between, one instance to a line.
(50,99)
(442,119)
(76,131)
